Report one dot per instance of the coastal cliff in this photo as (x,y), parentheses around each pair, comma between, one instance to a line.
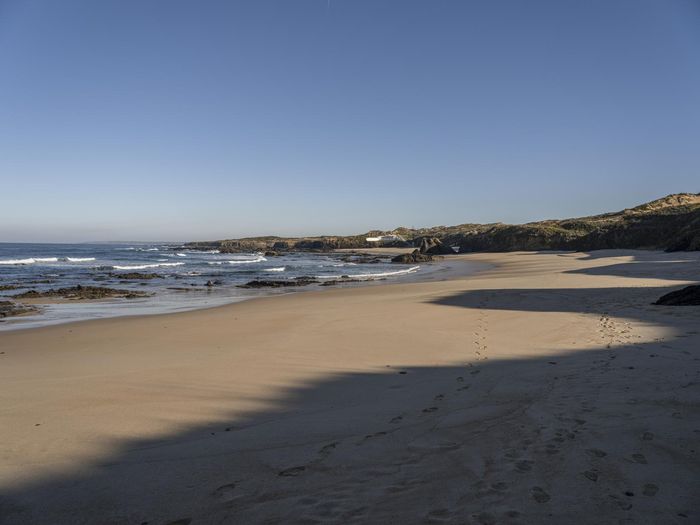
(671,223)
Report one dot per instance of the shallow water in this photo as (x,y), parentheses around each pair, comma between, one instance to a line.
(183,275)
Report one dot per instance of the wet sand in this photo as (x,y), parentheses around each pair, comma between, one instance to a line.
(546,389)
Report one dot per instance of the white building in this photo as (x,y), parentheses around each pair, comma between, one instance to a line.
(386,238)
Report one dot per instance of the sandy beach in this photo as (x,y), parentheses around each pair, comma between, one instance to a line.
(547,389)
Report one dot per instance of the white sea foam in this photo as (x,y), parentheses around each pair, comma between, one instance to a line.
(79,259)
(257,259)
(18,261)
(145,266)
(30,260)
(242,259)
(181,254)
(280,269)
(412,269)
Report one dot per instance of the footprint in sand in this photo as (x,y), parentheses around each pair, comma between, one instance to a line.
(524,465)
(395,419)
(650,490)
(539,495)
(591,474)
(430,409)
(639,458)
(370,436)
(293,471)
(439,514)
(225,492)
(326,449)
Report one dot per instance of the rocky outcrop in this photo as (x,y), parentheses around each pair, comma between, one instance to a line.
(688,296)
(433,246)
(671,223)
(81,292)
(414,257)
(11,309)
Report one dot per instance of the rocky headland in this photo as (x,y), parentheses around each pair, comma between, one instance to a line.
(671,223)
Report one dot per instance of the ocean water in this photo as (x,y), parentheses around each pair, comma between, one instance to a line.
(184,274)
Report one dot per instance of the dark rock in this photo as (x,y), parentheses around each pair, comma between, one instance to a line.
(434,246)
(277,284)
(272,253)
(688,296)
(10,308)
(414,257)
(82,292)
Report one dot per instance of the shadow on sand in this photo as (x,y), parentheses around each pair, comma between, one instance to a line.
(604,435)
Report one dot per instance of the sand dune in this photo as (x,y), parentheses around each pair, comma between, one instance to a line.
(547,389)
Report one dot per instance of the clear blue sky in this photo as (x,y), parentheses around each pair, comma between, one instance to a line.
(176,120)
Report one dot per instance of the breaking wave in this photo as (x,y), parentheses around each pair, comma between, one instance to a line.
(242,260)
(146,266)
(18,261)
(412,269)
